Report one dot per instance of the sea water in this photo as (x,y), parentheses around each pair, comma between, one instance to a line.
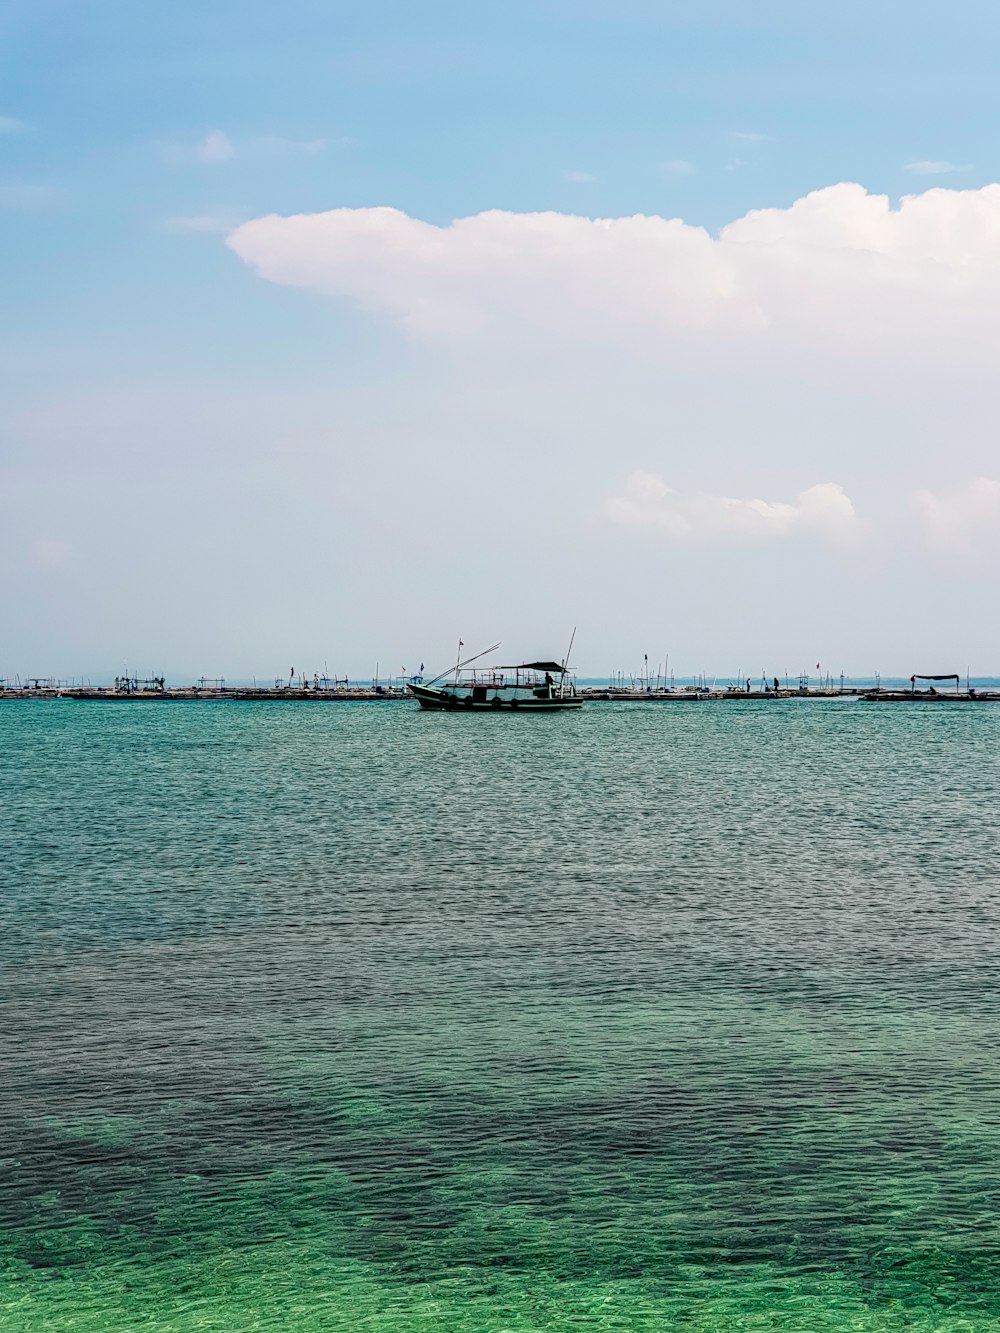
(357,1017)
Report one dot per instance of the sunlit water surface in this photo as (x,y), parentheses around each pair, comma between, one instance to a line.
(353,1017)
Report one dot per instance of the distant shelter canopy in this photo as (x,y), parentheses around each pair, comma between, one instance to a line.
(951,676)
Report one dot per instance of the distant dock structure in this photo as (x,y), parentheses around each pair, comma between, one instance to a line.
(322,689)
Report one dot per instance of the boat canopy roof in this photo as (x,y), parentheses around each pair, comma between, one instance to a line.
(525,666)
(952,675)
(532,666)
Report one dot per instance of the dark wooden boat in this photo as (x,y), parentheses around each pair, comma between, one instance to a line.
(527,687)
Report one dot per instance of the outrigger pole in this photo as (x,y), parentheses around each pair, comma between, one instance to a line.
(458,665)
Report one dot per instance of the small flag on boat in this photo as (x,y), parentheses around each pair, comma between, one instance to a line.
(817,666)
(461,643)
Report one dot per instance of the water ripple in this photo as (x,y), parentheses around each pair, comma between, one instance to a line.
(357,1018)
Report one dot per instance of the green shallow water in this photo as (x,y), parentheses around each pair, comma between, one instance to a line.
(354,1017)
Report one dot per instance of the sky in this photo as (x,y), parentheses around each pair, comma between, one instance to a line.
(335,332)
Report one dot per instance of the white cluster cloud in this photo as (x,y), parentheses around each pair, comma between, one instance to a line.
(648,502)
(217,147)
(838,263)
(276,145)
(846,332)
(212,223)
(936,167)
(960,520)
(677,166)
(49,555)
(11,125)
(32,198)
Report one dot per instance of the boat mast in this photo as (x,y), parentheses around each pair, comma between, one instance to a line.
(562,679)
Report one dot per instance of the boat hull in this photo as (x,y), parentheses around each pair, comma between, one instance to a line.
(450,702)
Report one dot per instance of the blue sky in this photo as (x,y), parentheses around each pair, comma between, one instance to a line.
(168,398)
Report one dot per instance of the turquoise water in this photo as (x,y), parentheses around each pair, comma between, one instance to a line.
(354,1017)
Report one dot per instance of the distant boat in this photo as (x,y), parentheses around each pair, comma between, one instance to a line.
(528,687)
